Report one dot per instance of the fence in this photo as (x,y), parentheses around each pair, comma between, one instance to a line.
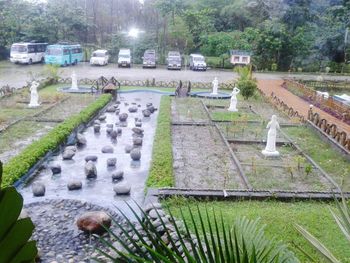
(327,85)
(333,107)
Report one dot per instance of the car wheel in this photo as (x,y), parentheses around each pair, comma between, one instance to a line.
(65,64)
(30,62)
(42,60)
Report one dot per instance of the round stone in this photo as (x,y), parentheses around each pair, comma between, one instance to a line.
(90,170)
(133,109)
(123,117)
(94,222)
(102,118)
(151,108)
(107,149)
(128,148)
(55,168)
(109,125)
(146,113)
(81,139)
(38,189)
(71,147)
(119,130)
(97,122)
(114,134)
(137,130)
(68,154)
(118,175)
(74,185)
(135,154)
(137,141)
(138,124)
(109,130)
(97,128)
(91,158)
(122,188)
(111,109)
(112,161)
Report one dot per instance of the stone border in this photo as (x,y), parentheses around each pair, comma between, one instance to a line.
(238,194)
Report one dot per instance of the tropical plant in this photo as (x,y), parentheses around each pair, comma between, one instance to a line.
(246,83)
(14,232)
(211,240)
(343,221)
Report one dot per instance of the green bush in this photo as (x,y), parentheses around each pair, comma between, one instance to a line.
(247,87)
(20,164)
(216,62)
(161,171)
(274,67)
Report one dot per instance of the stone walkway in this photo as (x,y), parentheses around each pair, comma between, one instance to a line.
(268,86)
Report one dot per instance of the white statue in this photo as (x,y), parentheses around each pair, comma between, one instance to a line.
(74,81)
(34,96)
(215,86)
(233,103)
(270,149)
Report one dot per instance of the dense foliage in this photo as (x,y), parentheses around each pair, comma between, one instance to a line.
(14,232)
(21,163)
(161,171)
(282,34)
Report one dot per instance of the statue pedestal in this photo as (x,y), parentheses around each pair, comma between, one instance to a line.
(270,154)
(33,105)
(232,110)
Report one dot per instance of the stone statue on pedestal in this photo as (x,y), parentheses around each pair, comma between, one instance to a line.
(233,103)
(34,96)
(270,149)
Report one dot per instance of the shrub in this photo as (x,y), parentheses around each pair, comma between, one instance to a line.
(161,171)
(246,83)
(273,67)
(20,164)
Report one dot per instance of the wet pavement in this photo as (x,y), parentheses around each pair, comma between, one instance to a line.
(18,75)
(99,191)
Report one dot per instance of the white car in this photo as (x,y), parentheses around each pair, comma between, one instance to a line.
(99,57)
(197,62)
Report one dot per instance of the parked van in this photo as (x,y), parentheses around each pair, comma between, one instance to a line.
(99,57)
(27,53)
(174,60)
(149,59)
(63,54)
(197,62)
(124,58)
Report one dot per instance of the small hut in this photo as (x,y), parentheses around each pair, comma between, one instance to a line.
(240,57)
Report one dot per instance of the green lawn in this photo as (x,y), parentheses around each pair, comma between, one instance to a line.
(234,116)
(323,154)
(279,218)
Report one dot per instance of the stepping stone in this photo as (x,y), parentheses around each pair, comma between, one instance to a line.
(38,189)
(107,149)
(122,188)
(74,185)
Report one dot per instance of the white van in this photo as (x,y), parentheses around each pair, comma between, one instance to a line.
(124,58)
(99,57)
(28,53)
(197,62)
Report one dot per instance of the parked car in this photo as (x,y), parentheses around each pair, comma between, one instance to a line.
(99,57)
(27,53)
(124,58)
(149,59)
(63,54)
(174,60)
(197,62)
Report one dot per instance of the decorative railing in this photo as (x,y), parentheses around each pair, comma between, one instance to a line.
(330,129)
(327,84)
(290,111)
(335,108)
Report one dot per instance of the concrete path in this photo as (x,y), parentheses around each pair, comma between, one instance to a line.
(268,86)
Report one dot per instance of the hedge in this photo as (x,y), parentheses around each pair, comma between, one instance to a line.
(21,164)
(161,171)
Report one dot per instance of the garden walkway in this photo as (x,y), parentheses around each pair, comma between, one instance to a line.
(268,86)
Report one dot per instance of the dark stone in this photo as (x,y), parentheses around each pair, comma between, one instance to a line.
(133,109)
(112,161)
(107,149)
(128,148)
(118,175)
(102,118)
(137,130)
(135,154)
(146,113)
(97,128)
(111,109)
(90,170)
(38,189)
(81,139)
(119,130)
(123,117)
(109,125)
(74,185)
(55,168)
(114,134)
(137,141)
